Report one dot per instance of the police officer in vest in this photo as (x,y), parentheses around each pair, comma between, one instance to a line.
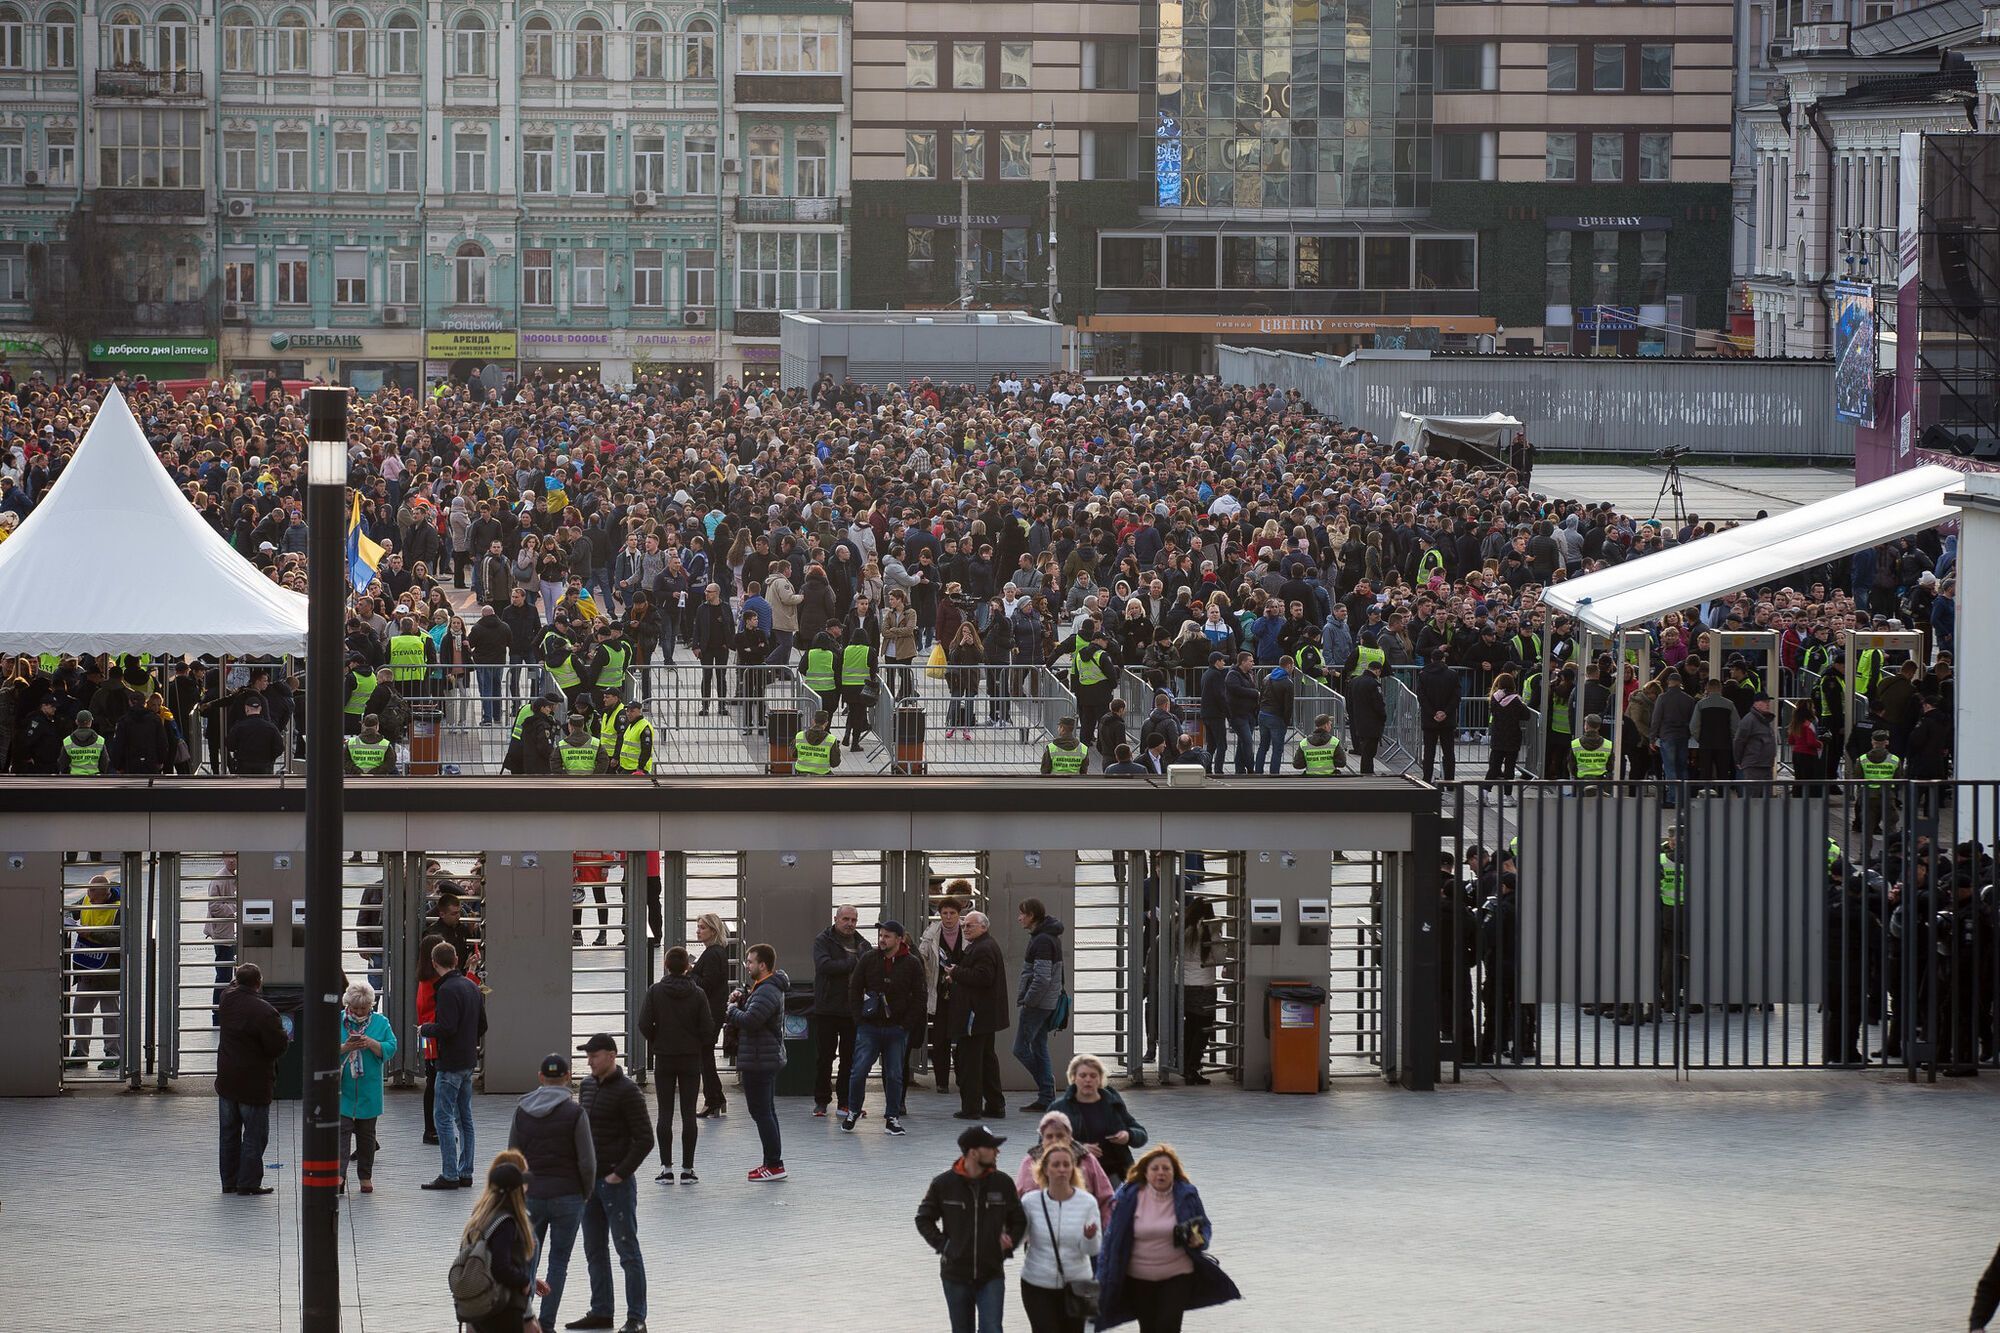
(606,723)
(858,685)
(559,656)
(83,749)
(635,741)
(412,656)
(1875,804)
(531,749)
(817,753)
(1066,756)
(1319,755)
(1091,670)
(611,660)
(1590,753)
(580,754)
(370,755)
(820,668)
(360,684)
(1671,960)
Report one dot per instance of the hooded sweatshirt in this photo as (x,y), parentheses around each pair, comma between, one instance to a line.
(1041,967)
(552,1132)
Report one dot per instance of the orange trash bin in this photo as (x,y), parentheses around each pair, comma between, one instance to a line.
(1292,1020)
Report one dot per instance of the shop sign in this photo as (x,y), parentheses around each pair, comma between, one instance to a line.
(470,323)
(465,345)
(566,338)
(316,342)
(675,342)
(760,353)
(152,349)
(1611,222)
(951,220)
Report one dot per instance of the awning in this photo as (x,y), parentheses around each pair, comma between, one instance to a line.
(1483,440)
(1627,595)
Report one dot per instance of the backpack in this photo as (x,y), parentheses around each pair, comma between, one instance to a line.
(474,1292)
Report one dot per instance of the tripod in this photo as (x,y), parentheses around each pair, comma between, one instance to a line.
(1670,487)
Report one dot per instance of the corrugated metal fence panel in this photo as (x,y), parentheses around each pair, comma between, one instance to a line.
(1749,408)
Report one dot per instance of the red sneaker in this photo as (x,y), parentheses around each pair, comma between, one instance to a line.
(762,1175)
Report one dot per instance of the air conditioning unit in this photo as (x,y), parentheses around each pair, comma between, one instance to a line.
(33,179)
(243,208)
(729,166)
(393,315)
(232,311)
(644,199)
(695,319)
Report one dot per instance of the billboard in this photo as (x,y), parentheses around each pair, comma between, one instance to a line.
(1854,352)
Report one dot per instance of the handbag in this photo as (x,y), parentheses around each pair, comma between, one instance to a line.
(1060,1021)
(1079,1294)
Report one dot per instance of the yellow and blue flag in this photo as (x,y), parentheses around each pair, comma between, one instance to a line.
(363,554)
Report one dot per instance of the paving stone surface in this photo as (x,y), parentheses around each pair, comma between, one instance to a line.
(1525,1200)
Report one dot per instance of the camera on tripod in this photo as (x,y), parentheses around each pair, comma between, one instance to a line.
(1673,453)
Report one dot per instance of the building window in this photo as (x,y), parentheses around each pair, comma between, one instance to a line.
(1562,69)
(14,271)
(59,39)
(123,47)
(588,286)
(403,271)
(1109,154)
(699,271)
(1385,263)
(538,277)
(350,276)
(469,274)
(968,64)
(1656,157)
(698,50)
(291,45)
(294,283)
(13,156)
(920,64)
(1256,261)
(788,270)
(469,161)
(1330,263)
(1461,155)
(294,162)
(239,275)
(968,155)
(920,155)
(1557,267)
(1017,64)
(1110,66)
(649,278)
(1607,69)
(590,164)
(239,160)
(587,48)
(13,39)
(920,251)
(350,163)
(1446,263)
(468,46)
(649,162)
(1604,267)
(400,46)
(1607,157)
(1461,67)
(538,164)
(812,164)
(1559,157)
(1016,156)
(150,150)
(700,155)
(1652,267)
(538,48)
(239,42)
(1128,261)
(350,45)
(402,163)
(649,51)
(1191,263)
(171,45)
(764,166)
(59,156)
(788,44)
(1656,69)
(1014,254)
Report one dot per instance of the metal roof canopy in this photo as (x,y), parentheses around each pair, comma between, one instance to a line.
(1744,557)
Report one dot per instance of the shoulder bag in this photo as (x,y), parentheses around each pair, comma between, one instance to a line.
(1079,1294)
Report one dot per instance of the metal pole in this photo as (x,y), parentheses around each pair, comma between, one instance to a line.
(964,219)
(1051,146)
(319,1149)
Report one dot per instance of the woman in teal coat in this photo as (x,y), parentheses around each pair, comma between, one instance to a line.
(367,1042)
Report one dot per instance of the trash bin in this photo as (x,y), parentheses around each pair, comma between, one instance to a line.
(1292,1014)
(426,729)
(782,730)
(801,1049)
(909,739)
(290,1002)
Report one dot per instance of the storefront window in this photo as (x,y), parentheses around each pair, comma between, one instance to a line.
(1386,263)
(1446,263)
(1330,263)
(1129,261)
(1256,261)
(1191,262)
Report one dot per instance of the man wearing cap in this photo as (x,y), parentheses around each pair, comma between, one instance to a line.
(552,1132)
(621,1132)
(634,752)
(254,745)
(1754,746)
(533,747)
(972,1216)
(887,992)
(580,754)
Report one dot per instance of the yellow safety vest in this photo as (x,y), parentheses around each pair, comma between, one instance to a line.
(1066,763)
(364,689)
(564,671)
(819,670)
(1322,760)
(815,758)
(580,759)
(1880,772)
(367,757)
(616,657)
(1590,763)
(1089,666)
(50,662)
(1866,664)
(1367,657)
(85,761)
(521,720)
(854,664)
(607,733)
(628,745)
(406,654)
(1670,881)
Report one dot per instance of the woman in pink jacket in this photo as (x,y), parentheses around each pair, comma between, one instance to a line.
(1055,1128)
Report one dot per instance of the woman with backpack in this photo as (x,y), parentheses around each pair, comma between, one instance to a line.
(493,1281)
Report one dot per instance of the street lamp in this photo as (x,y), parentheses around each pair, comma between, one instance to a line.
(319,1147)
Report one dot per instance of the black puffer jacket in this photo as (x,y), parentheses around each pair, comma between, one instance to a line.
(675,1019)
(620,1125)
(963,1219)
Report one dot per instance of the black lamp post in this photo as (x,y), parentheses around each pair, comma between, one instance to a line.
(319,1149)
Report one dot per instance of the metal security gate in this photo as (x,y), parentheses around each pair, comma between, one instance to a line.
(198,953)
(102,962)
(709,884)
(601,937)
(1208,911)
(1099,955)
(1354,965)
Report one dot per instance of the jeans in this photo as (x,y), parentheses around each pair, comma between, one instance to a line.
(245,1131)
(888,1041)
(760,1090)
(1215,737)
(555,1221)
(1246,745)
(453,1112)
(613,1213)
(985,1303)
(1673,766)
(1270,743)
(1031,1048)
(781,648)
(833,1033)
(225,971)
(489,695)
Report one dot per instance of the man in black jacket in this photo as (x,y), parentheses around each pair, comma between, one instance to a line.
(458,1026)
(1367,714)
(246,1076)
(254,744)
(678,1023)
(835,953)
(623,1135)
(887,996)
(972,1216)
(978,1011)
(552,1132)
(1437,706)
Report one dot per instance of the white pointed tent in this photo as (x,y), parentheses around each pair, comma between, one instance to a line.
(115,560)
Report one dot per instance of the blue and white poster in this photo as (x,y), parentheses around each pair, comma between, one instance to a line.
(1167,161)
(1854,352)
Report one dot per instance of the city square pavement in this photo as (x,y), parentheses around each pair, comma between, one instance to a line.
(1531,1200)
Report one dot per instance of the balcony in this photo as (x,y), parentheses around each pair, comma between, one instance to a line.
(790,90)
(186,206)
(757,323)
(761,208)
(1820,39)
(173,85)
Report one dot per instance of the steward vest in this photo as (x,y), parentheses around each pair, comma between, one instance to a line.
(85,761)
(607,733)
(579,759)
(365,756)
(1066,763)
(562,665)
(1322,760)
(1089,666)
(97,925)
(364,689)
(1429,563)
(617,656)
(1366,657)
(1311,661)
(1832,853)
(49,663)
(1590,763)
(630,750)
(854,664)
(1879,772)
(819,670)
(1670,881)
(1867,665)
(815,758)
(406,655)
(1559,716)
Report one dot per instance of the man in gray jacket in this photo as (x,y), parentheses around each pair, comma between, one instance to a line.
(552,1132)
(1755,744)
(1673,717)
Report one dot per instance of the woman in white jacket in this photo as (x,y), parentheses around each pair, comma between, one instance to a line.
(1063,1238)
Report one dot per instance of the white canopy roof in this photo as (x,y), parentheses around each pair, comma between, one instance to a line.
(115,560)
(1493,431)
(1743,557)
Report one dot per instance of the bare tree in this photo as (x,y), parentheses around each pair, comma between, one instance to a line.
(74,290)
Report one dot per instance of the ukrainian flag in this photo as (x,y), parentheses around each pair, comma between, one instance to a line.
(363,555)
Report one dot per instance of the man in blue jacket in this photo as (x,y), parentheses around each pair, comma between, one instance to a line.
(1239,690)
(458,1028)
(1037,999)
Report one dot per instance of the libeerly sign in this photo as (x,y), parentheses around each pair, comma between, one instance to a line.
(152,349)
(1298,326)
(1611,222)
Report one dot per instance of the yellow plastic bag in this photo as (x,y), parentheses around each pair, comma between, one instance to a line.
(936,668)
